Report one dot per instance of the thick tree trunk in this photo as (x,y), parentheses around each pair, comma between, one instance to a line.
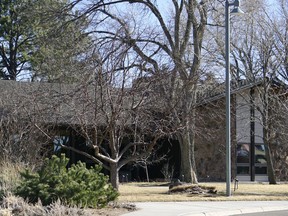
(114,175)
(270,167)
(186,135)
(266,135)
(188,172)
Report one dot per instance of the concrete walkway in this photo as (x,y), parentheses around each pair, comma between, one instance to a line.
(224,208)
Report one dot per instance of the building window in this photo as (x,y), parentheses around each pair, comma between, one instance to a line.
(243,153)
(260,160)
(243,170)
(261,170)
(244,158)
(58,141)
(260,157)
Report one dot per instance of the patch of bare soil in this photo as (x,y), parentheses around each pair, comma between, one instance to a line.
(193,190)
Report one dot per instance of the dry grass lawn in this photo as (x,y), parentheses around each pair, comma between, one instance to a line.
(134,192)
(155,192)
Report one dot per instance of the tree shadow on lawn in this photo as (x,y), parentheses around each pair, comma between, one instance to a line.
(154,184)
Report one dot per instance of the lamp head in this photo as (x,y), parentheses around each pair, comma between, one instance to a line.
(237,9)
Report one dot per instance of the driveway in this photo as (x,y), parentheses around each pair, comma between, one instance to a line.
(274,213)
(224,208)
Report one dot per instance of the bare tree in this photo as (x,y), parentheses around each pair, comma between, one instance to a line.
(254,49)
(167,48)
(21,141)
(119,124)
(279,24)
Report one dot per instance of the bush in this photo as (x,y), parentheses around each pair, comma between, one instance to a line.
(75,186)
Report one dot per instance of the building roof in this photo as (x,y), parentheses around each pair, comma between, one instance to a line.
(45,102)
(69,104)
(57,103)
(217,91)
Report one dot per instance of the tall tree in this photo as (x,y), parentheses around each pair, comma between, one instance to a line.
(123,127)
(120,125)
(16,35)
(257,47)
(38,41)
(65,52)
(166,48)
(279,24)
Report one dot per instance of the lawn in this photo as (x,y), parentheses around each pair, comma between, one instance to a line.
(157,192)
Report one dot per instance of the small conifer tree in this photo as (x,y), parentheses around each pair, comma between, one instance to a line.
(76,185)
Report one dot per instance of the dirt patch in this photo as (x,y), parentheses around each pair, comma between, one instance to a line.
(193,189)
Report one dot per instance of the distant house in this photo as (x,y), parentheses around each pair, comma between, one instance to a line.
(58,107)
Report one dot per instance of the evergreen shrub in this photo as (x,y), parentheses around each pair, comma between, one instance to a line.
(76,185)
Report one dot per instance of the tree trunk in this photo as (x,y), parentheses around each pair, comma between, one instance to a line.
(266,134)
(188,172)
(193,163)
(270,167)
(114,175)
(147,172)
(186,135)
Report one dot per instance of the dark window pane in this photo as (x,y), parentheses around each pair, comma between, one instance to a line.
(260,170)
(243,151)
(243,170)
(260,154)
(58,141)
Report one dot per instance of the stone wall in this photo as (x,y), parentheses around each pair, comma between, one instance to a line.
(210,141)
(279,136)
(280,158)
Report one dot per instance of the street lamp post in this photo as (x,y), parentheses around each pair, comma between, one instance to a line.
(236,10)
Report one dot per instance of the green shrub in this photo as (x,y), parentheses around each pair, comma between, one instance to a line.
(75,186)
